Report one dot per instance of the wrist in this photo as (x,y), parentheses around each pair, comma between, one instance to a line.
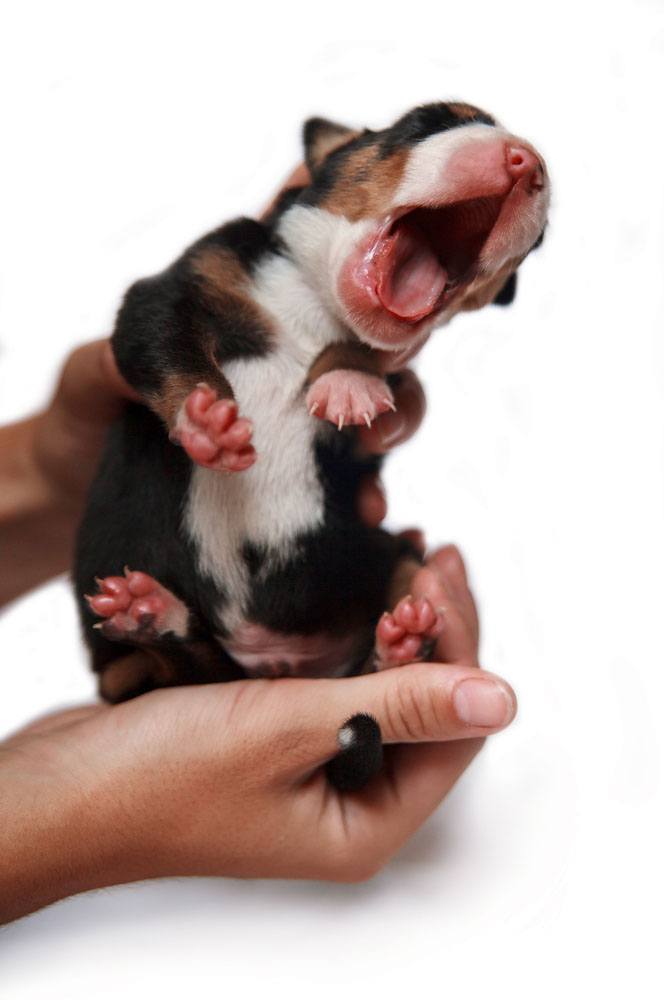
(62,832)
(37,520)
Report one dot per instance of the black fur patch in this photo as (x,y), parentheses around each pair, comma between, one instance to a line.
(166,324)
(134,507)
(341,575)
(248,239)
(425,121)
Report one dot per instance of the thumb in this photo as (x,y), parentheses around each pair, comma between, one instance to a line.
(91,389)
(419,703)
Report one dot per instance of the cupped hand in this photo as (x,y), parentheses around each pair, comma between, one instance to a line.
(228,779)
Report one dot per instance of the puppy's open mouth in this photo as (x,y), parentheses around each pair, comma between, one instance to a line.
(423,257)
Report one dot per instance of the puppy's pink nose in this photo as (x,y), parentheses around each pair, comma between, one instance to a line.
(522,163)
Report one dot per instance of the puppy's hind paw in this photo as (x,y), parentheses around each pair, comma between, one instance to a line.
(136,608)
(407,634)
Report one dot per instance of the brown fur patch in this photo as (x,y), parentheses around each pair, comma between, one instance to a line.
(355,356)
(221,274)
(176,388)
(137,671)
(366,184)
(226,286)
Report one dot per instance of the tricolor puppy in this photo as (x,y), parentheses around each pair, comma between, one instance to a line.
(232,492)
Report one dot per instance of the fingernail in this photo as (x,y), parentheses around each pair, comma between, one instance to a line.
(484,702)
(391,428)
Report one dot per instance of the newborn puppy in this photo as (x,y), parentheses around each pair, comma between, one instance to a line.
(232,493)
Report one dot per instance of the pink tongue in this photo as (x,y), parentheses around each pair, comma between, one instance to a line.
(410,280)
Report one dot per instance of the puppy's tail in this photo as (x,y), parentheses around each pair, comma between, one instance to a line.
(360,754)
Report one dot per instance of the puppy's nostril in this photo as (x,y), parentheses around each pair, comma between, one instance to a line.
(523,165)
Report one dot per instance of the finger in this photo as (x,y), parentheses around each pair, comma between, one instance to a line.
(91,389)
(457,642)
(371,501)
(392,428)
(448,564)
(418,703)
(416,538)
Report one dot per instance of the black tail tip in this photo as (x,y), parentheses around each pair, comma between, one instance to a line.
(360,756)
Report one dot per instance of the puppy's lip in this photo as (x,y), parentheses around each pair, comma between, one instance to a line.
(462,233)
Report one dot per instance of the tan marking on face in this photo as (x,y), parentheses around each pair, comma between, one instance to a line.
(464,111)
(366,184)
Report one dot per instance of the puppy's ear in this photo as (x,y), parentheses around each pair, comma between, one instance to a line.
(321,137)
(506,294)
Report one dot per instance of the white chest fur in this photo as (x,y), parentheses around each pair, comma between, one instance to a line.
(280,495)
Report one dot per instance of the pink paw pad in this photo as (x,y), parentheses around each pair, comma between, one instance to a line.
(405,634)
(136,606)
(211,432)
(347,397)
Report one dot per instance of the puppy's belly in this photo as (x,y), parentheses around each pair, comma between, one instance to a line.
(264,653)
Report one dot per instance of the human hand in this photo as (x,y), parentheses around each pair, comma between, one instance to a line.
(47,463)
(227,779)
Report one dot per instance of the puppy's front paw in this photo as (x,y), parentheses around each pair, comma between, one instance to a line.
(348,397)
(211,432)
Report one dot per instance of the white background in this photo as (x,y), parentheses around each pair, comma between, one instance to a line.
(130,129)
